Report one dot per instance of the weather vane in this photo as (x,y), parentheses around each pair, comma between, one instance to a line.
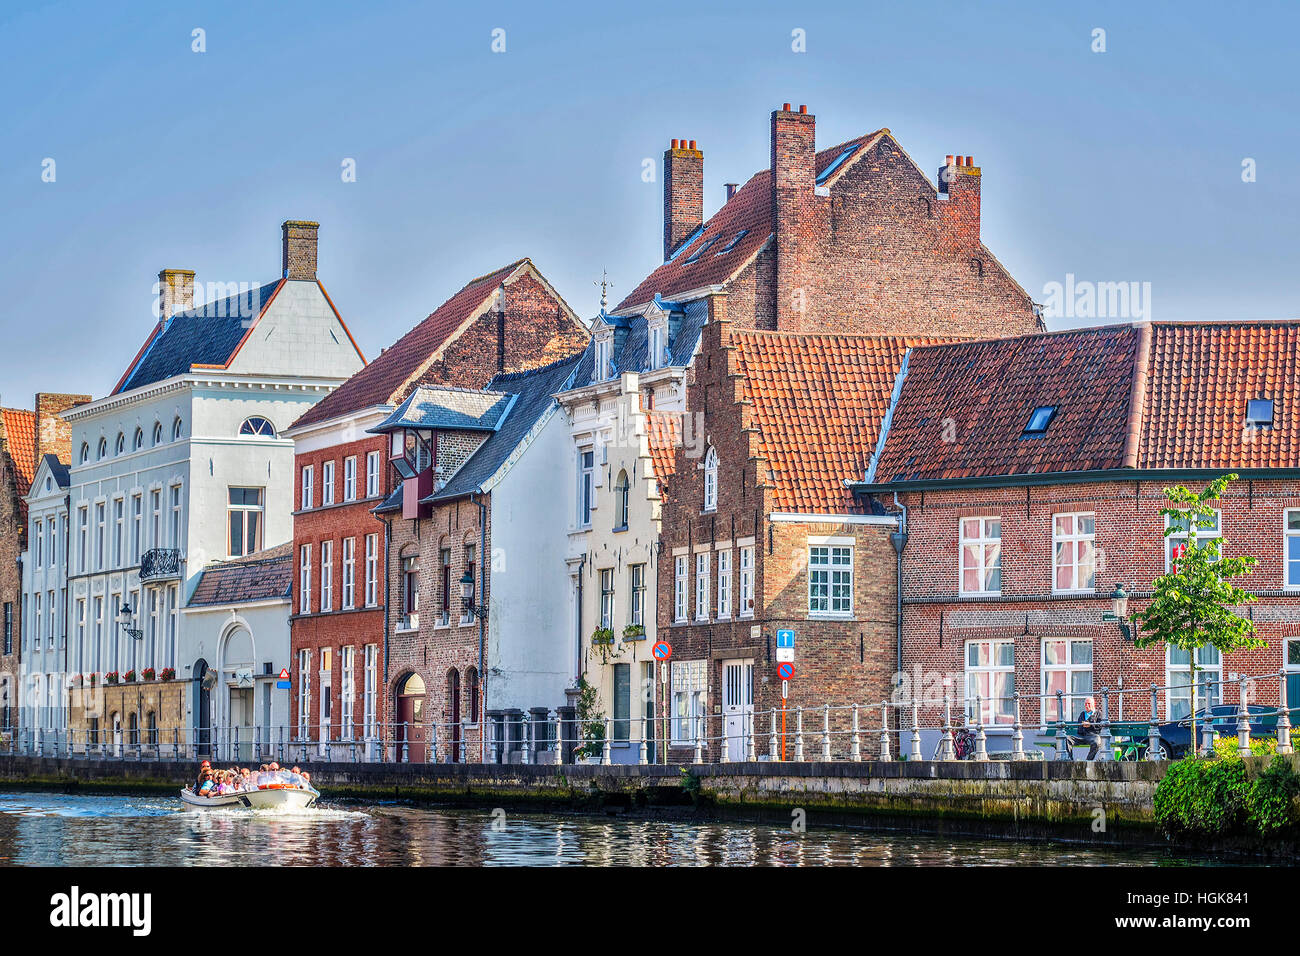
(605,286)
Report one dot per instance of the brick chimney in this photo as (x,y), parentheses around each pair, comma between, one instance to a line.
(794,209)
(299,249)
(959,184)
(175,292)
(683,193)
(53,434)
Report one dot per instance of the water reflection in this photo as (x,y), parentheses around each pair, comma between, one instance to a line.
(49,829)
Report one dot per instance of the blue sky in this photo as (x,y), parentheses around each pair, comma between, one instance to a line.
(1117,166)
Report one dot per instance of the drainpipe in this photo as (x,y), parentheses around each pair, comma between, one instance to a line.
(388,547)
(582,565)
(482,599)
(899,539)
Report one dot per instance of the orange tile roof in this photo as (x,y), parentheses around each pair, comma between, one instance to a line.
(1199,379)
(665,434)
(20,429)
(750,211)
(818,401)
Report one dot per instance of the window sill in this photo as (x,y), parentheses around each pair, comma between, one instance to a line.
(831,616)
(619,530)
(979,594)
(399,629)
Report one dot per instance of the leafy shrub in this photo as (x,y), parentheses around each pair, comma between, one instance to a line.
(1272,796)
(1200,796)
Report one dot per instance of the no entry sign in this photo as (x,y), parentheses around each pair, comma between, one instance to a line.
(662,650)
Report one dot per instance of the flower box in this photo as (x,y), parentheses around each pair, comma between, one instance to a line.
(148,674)
(168,673)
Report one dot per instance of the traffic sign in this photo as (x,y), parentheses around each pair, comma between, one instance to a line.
(785,670)
(282,684)
(662,650)
(785,637)
(785,654)
(284,673)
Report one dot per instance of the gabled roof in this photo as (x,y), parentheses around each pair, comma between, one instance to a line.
(749,211)
(20,430)
(1165,395)
(209,335)
(664,434)
(633,354)
(262,576)
(58,470)
(442,406)
(817,401)
(963,408)
(1199,380)
(395,371)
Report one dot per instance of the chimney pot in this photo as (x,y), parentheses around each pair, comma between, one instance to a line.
(731,189)
(674,146)
(786,107)
(947,160)
(299,248)
(970,161)
(692,144)
(803,108)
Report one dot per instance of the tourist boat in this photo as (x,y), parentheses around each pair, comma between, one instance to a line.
(274,797)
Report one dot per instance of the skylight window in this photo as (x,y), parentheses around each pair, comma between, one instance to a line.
(836,163)
(704,247)
(1039,419)
(732,244)
(686,245)
(1259,413)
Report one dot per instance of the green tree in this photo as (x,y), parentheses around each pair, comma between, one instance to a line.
(1192,606)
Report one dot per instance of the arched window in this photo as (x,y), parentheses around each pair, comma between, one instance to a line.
(177,428)
(157,433)
(257,427)
(711,481)
(471,693)
(85,453)
(138,441)
(620,501)
(102,451)
(120,445)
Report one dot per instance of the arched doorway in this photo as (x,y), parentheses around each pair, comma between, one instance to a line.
(237,689)
(409,732)
(453,715)
(203,707)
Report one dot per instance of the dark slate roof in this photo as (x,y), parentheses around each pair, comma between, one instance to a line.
(265,575)
(208,335)
(533,391)
(633,354)
(442,406)
(58,470)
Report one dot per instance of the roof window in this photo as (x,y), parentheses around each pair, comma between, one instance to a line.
(704,247)
(1259,413)
(1039,419)
(836,163)
(732,244)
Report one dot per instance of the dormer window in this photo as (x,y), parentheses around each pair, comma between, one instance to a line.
(1259,413)
(603,350)
(1039,419)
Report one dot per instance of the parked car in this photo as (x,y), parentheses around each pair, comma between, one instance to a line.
(1176,735)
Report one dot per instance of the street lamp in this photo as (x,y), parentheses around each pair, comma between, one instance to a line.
(1119,611)
(467,595)
(125,616)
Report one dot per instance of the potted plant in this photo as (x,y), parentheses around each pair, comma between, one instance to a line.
(148,674)
(129,677)
(591,724)
(634,632)
(603,638)
(168,673)
(111,677)
(93,679)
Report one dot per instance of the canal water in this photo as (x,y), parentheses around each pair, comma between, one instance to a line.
(51,829)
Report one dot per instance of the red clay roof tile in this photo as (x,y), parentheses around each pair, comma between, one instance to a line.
(20,429)
(665,434)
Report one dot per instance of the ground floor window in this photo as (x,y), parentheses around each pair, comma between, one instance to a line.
(1209,690)
(1067,668)
(622,706)
(1292,659)
(990,678)
(689,686)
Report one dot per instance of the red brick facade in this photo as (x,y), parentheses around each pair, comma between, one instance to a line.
(939,622)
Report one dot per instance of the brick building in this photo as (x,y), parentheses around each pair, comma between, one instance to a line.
(477,583)
(26,437)
(1032,473)
(819,273)
(508,320)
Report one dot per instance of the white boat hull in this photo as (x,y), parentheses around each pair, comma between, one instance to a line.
(269,799)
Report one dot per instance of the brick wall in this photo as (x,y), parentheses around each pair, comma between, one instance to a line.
(12,536)
(938,622)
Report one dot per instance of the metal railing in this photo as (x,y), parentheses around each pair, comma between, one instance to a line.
(829,732)
(158,564)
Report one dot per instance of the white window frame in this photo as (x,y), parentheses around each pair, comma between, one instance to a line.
(1290,566)
(372,474)
(304,693)
(1206,671)
(1073,702)
(327,483)
(983,541)
(702,583)
(586,486)
(350,478)
(348,600)
(607,597)
(368,715)
(710,481)
(1171,541)
(308,491)
(326,576)
(830,569)
(38,538)
(680,568)
(304,580)
(636,592)
(747,581)
(724,585)
(1067,543)
(372,570)
(347,690)
(688,696)
(990,716)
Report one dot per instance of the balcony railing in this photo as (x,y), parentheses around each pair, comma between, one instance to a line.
(160,564)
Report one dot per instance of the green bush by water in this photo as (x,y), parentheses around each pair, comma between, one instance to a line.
(1215,796)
